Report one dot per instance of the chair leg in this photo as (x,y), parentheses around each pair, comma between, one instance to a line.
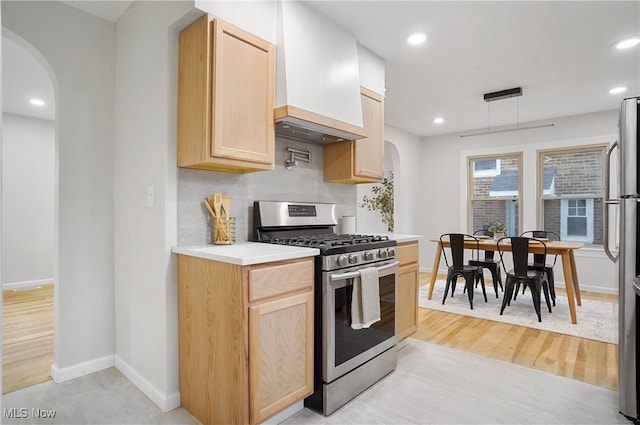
(495,277)
(506,297)
(469,283)
(499,277)
(454,280)
(550,281)
(545,288)
(535,294)
(484,291)
(446,289)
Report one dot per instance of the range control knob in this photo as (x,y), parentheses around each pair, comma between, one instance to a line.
(391,252)
(382,253)
(368,255)
(353,258)
(342,260)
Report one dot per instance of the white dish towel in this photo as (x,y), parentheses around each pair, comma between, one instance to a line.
(365,300)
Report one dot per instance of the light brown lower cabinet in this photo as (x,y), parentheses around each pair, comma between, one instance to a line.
(246,338)
(407,290)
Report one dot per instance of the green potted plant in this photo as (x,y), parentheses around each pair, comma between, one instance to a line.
(498,229)
(382,201)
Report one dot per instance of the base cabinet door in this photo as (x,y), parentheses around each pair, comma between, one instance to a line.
(407,290)
(280,354)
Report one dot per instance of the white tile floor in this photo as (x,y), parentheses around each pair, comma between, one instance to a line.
(432,384)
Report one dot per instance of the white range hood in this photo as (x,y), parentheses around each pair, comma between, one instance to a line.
(318,83)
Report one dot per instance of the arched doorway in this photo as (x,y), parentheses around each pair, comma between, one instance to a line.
(28,215)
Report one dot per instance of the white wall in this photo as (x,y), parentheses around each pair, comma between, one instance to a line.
(145,156)
(402,155)
(28,168)
(79,53)
(443,193)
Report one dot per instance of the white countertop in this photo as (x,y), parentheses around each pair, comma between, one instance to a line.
(246,253)
(400,238)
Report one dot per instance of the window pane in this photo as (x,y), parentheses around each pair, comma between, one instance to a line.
(487,164)
(494,186)
(572,190)
(573,172)
(552,215)
(577,226)
(485,212)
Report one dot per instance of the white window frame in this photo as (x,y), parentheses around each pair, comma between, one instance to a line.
(564,214)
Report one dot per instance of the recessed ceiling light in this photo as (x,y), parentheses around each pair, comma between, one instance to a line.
(417,38)
(617,90)
(628,43)
(37,102)
(438,120)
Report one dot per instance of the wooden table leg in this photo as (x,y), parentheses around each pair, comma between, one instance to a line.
(574,275)
(568,281)
(434,270)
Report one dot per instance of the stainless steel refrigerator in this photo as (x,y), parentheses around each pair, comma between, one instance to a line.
(622,230)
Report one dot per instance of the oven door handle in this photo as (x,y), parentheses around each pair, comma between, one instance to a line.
(352,275)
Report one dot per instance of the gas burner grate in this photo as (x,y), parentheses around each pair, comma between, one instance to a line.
(329,240)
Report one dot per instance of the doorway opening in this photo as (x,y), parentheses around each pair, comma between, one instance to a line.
(29,199)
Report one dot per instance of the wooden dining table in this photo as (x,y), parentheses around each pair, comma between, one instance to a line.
(564,249)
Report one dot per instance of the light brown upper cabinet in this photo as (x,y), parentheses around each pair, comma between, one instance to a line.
(226,90)
(359,161)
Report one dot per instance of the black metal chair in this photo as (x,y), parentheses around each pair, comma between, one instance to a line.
(539,263)
(535,280)
(489,263)
(457,267)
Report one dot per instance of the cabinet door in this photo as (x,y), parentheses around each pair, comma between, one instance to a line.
(243,74)
(369,152)
(407,302)
(280,354)
(407,290)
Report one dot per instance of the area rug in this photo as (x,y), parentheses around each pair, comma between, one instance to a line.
(597,320)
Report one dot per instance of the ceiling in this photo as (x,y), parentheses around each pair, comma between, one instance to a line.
(560,52)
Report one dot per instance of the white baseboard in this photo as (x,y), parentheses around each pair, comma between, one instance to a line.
(71,372)
(27,284)
(166,402)
(558,283)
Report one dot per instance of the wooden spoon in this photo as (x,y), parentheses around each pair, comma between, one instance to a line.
(226,205)
(211,202)
(217,203)
(206,202)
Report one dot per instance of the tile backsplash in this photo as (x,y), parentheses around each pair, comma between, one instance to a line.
(303,183)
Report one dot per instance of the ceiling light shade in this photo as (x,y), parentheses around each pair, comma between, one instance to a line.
(628,43)
(438,120)
(617,90)
(417,38)
(36,102)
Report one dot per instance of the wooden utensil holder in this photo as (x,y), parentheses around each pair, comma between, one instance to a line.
(224,230)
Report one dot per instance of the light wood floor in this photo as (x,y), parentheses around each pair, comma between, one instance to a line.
(27,337)
(28,342)
(582,359)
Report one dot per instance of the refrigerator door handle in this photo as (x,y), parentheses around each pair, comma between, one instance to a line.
(607,203)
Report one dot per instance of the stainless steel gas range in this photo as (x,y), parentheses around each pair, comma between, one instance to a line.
(346,360)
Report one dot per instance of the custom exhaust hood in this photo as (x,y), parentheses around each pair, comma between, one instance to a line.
(318,84)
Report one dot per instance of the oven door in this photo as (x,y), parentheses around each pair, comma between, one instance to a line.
(344,348)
